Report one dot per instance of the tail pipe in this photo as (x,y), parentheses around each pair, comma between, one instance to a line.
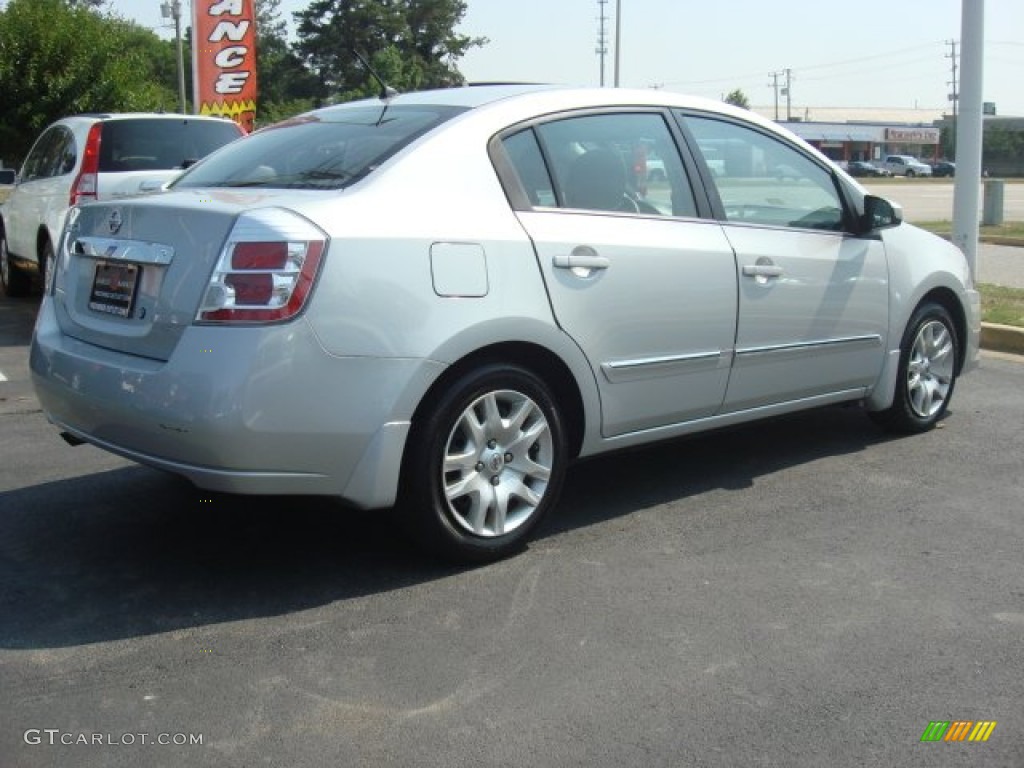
(71,439)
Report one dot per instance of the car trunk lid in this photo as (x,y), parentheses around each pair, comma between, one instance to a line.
(130,275)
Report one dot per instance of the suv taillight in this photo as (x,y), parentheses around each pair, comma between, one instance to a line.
(265,271)
(84,188)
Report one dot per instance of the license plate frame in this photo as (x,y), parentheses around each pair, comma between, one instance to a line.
(114,285)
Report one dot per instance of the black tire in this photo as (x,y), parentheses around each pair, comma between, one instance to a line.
(15,282)
(911,174)
(45,264)
(927,372)
(508,475)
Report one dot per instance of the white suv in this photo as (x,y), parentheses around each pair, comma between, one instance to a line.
(94,157)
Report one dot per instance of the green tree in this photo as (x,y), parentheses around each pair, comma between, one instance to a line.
(413,41)
(738,99)
(59,57)
(284,85)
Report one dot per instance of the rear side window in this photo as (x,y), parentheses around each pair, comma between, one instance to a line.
(329,149)
(145,144)
(617,162)
(52,155)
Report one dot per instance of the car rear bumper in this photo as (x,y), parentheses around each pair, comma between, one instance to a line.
(261,410)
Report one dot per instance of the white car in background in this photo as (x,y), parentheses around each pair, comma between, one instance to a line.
(94,157)
(905,165)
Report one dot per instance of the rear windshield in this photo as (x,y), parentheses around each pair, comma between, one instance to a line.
(147,144)
(329,149)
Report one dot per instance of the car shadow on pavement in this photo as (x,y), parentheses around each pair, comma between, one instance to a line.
(17,316)
(613,485)
(133,552)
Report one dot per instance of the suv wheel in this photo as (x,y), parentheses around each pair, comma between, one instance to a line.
(45,264)
(485,465)
(15,282)
(911,173)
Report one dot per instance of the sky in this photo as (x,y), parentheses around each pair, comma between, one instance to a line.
(871,53)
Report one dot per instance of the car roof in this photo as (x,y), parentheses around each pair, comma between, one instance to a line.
(107,116)
(547,97)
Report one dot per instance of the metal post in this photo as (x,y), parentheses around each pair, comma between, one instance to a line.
(172,9)
(181,58)
(789,94)
(775,86)
(969,131)
(618,38)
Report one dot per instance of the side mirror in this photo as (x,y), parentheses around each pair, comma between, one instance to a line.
(8,176)
(879,213)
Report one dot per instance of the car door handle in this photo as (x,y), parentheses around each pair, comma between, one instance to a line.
(581,261)
(762,270)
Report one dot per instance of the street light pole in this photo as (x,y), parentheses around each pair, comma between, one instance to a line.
(172,9)
(969,131)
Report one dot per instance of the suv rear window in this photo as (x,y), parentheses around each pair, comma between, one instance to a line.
(329,149)
(145,144)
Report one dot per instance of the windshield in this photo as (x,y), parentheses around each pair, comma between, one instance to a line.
(329,149)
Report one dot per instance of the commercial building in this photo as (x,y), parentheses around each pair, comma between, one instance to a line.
(869,134)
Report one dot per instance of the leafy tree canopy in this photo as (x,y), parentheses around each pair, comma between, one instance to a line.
(411,43)
(63,57)
(738,99)
(285,87)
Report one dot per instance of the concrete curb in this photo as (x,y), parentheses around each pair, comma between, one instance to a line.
(1002,240)
(1002,338)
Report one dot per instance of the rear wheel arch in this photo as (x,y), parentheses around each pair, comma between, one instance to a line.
(487,452)
(542,362)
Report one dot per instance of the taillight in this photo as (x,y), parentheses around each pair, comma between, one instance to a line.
(266,270)
(84,188)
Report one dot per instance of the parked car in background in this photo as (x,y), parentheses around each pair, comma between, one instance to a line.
(864,168)
(944,168)
(905,165)
(94,157)
(439,300)
(7,178)
(655,169)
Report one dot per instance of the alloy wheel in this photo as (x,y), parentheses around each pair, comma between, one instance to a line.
(930,369)
(497,463)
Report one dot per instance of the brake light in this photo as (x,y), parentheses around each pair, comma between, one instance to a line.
(84,188)
(266,270)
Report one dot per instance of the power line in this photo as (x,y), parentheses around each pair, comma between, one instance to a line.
(752,75)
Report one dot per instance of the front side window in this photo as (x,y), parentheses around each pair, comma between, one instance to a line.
(330,149)
(762,180)
(622,163)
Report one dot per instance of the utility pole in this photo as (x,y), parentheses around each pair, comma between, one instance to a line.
(172,9)
(618,38)
(954,96)
(789,94)
(602,36)
(774,85)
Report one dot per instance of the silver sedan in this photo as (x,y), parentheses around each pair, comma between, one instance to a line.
(438,300)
